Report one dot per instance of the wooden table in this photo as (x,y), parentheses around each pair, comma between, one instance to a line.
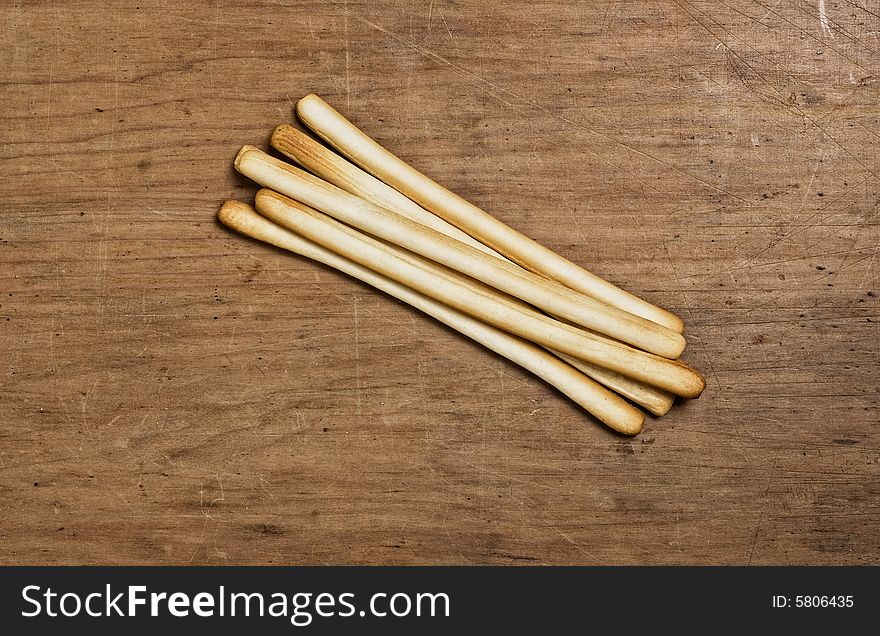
(173,393)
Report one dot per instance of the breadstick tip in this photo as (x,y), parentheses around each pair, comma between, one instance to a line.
(303,104)
(266,193)
(241,153)
(696,382)
(310,98)
(232,211)
(702,384)
(282,129)
(676,323)
(662,408)
(630,426)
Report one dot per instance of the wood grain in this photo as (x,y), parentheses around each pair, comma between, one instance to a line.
(172,393)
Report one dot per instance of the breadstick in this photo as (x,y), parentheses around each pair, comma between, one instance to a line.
(666,374)
(340,133)
(324,163)
(654,400)
(543,293)
(600,402)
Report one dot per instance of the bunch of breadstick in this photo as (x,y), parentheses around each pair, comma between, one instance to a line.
(364,211)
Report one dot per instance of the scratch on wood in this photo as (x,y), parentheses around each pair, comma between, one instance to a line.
(357,354)
(823,20)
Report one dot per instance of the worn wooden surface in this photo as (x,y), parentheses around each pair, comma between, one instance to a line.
(172,393)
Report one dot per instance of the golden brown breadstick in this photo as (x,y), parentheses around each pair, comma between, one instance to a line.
(654,400)
(340,133)
(543,293)
(666,374)
(603,404)
(323,162)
